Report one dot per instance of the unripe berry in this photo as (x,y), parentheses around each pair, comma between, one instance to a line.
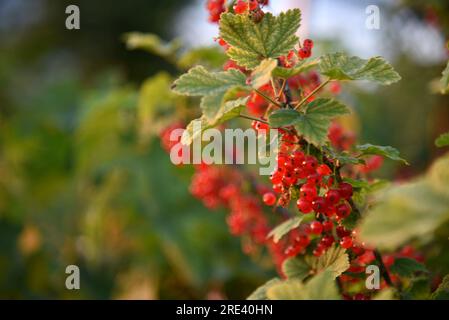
(269,198)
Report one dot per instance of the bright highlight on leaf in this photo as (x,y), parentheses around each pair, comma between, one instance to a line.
(252,42)
(262,74)
(284,228)
(442,140)
(339,66)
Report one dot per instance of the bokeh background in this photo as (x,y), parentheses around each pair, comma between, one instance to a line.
(77,187)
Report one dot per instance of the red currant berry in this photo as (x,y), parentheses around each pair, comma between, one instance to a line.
(241,7)
(253,4)
(310,163)
(346,242)
(343,210)
(269,198)
(316,227)
(308,192)
(308,43)
(303,241)
(304,206)
(342,232)
(319,250)
(327,241)
(314,178)
(328,226)
(345,190)
(324,170)
(319,205)
(332,197)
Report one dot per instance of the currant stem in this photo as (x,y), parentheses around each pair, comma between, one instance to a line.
(253,118)
(266,97)
(305,99)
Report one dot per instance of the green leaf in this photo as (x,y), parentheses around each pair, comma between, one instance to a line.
(227,111)
(445,80)
(262,74)
(385,294)
(335,260)
(404,212)
(284,228)
(151,43)
(442,293)
(302,66)
(320,287)
(200,82)
(442,140)
(314,123)
(261,292)
(339,66)
(283,118)
(295,268)
(252,42)
(406,267)
(438,176)
(210,56)
(385,151)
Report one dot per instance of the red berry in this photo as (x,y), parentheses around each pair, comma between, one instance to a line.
(303,241)
(346,242)
(345,190)
(308,43)
(253,4)
(305,52)
(343,210)
(269,198)
(310,163)
(342,232)
(328,226)
(332,197)
(319,250)
(327,241)
(316,227)
(241,7)
(314,178)
(308,192)
(319,205)
(304,206)
(324,170)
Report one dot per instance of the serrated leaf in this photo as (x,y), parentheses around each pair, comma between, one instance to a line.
(302,66)
(295,268)
(445,80)
(339,66)
(442,140)
(200,82)
(320,287)
(252,42)
(227,111)
(262,74)
(151,43)
(284,228)
(335,260)
(314,123)
(385,151)
(406,267)
(283,118)
(442,293)
(261,292)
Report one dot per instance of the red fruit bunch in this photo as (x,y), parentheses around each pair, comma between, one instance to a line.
(215,8)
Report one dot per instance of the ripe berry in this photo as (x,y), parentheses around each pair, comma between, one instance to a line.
(332,197)
(241,7)
(327,241)
(343,210)
(310,163)
(319,250)
(324,170)
(304,206)
(345,190)
(346,242)
(319,205)
(327,226)
(316,227)
(308,192)
(253,4)
(303,240)
(305,52)
(342,232)
(314,178)
(269,198)
(308,43)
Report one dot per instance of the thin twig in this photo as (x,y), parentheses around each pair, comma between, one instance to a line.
(253,118)
(266,97)
(304,100)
